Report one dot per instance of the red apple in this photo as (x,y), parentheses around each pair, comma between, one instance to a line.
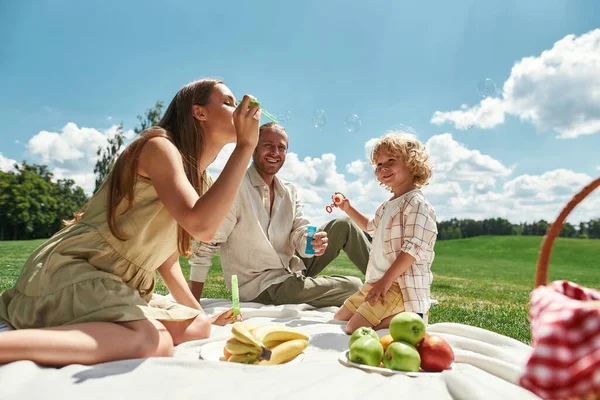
(436,354)
(425,337)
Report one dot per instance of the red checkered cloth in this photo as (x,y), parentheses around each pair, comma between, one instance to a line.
(565,328)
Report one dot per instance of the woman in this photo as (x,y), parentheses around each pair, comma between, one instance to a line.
(85,296)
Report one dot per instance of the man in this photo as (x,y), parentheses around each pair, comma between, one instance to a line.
(263,239)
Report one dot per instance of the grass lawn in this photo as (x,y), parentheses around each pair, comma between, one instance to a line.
(483,281)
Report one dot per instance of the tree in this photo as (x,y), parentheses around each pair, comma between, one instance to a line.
(7,182)
(594,229)
(108,155)
(72,198)
(150,119)
(568,230)
(33,206)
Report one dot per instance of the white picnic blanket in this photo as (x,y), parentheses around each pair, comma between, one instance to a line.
(487,367)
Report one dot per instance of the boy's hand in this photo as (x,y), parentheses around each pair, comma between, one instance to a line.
(344,205)
(378,290)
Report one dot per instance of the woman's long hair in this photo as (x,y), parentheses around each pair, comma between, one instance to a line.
(180,127)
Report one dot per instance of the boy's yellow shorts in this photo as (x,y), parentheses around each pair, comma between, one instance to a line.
(394,304)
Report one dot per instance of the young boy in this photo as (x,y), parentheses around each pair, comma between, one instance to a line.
(404,232)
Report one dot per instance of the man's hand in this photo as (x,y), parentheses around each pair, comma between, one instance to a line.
(319,243)
(378,290)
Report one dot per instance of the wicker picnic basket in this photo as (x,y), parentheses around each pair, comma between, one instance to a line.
(565,328)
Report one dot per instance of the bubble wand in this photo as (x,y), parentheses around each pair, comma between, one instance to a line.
(263,111)
(337,199)
(235,296)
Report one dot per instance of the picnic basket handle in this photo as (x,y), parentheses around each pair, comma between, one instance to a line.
(541,275)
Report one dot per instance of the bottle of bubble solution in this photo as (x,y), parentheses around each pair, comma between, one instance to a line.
(310,233)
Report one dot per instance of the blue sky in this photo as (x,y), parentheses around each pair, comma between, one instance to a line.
(390,62)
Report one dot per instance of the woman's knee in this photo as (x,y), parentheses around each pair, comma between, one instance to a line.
(199,328)
(151,339)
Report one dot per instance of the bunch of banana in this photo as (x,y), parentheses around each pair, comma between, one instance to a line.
(264,345)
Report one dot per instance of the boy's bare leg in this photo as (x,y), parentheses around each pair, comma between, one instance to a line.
(87,343)
(385,323)
(343,314)
(357,321)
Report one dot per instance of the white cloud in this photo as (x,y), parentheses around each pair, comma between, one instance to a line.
(489,113)
(528,198)
(7,164)
(217,166)
(360,168)
(559,90)
(71,153)
(454,162)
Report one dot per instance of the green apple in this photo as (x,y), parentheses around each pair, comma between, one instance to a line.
(360,332)
(401,356)
(366,350)
(407,327)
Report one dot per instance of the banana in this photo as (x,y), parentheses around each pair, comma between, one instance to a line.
(280,333)
(234,346)
(242,334)
(270,344)
(243,358)
(285,352)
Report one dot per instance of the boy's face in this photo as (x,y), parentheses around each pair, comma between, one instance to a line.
(391,171)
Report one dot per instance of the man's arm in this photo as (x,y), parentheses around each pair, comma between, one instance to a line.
(203,253)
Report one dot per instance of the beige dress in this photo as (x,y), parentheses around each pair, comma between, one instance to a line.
(83,273)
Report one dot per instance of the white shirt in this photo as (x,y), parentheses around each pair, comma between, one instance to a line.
(411,229)
(380,263)
(256,244)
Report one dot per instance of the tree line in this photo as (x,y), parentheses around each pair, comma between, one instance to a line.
(465,228)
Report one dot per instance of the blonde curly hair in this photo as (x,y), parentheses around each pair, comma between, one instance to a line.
(405,147)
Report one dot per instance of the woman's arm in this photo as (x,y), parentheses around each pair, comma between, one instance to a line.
(172,276)
(200,216)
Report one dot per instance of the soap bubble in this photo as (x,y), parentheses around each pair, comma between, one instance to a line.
(486,87)
(319,119)
(352,123)
(284,117)
(404,128)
